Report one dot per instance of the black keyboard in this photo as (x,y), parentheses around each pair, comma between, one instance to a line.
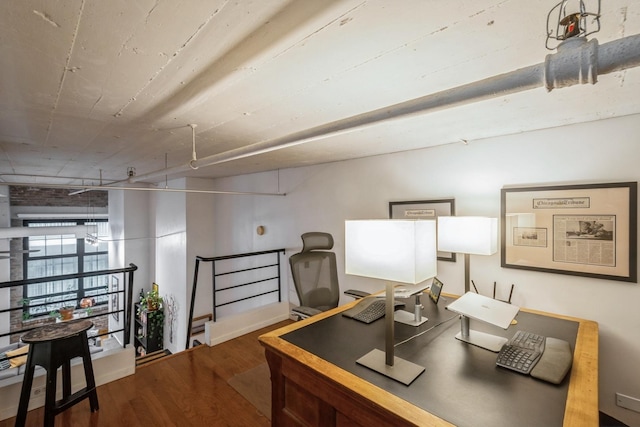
(374,312)
(522,352)
(369,309)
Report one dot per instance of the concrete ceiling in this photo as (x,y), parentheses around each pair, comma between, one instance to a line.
(97,87)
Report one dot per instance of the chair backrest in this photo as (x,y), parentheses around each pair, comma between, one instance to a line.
(315,272)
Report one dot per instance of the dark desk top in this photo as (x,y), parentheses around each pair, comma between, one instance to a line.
(57,331)
(461,382)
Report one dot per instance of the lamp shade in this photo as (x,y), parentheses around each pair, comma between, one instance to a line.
(468,234)
(397,250)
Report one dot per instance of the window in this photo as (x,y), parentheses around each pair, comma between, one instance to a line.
(55,255)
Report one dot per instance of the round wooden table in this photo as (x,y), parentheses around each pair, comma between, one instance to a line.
(53,346)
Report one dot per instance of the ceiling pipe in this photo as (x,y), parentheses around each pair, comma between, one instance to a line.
(576,62)
(79,231)
(87,188)
(47,177)
(164,189)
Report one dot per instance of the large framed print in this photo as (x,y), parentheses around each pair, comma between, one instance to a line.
(584,230)
(425,209)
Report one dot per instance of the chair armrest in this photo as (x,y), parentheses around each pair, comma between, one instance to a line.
(304,312)
(355,293)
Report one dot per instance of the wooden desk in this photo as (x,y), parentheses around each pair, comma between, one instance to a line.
(311,386)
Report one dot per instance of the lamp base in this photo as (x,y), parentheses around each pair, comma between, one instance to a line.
(407,318)
(487,341)
(402,370)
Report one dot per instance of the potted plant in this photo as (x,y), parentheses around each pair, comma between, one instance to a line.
(152,300)
(66,312)
(150,312)
(25,314)
(156,327)
(87,304)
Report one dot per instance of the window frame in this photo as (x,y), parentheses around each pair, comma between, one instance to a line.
(80,255)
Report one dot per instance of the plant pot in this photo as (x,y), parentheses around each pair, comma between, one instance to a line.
(66,313)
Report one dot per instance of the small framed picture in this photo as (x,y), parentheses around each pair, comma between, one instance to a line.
(115,298)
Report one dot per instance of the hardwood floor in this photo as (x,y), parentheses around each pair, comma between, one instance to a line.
(186,389)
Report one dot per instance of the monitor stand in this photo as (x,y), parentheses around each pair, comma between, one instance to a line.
(483,340)
(412,319)
(487,310)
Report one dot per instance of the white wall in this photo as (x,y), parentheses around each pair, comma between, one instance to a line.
(201,242)
(117,247)
(321,198)
(171,262)
(130,243)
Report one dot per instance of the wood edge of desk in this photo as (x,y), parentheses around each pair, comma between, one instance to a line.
(343,379)
(350,383)
(309,320)
(582,398)
(582,407)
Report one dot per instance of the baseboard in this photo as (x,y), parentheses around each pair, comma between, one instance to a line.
(234,326)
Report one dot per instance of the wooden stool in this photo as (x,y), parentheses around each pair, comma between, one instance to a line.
(53,346)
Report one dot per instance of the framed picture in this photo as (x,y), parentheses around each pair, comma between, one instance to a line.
(425,209)
(584,230)
(115,298)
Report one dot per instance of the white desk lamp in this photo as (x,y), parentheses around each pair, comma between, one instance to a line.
(472,235)
(397,251)
(468,235)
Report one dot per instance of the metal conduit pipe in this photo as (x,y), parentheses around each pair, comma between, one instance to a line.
(530,77)
(576,62)
(14,232)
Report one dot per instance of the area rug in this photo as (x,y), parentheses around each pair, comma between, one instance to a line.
(255,386)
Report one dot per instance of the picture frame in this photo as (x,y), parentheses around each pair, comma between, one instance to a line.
(425,209)
(587,230)
(115,298)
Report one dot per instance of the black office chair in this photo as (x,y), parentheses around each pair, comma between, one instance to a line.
(315,275)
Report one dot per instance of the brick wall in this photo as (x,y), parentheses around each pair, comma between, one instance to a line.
(35,196)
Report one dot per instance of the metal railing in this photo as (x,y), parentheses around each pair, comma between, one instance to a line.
(126,292)
(262,268)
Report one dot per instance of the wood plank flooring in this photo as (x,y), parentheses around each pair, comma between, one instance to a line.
(185,389)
